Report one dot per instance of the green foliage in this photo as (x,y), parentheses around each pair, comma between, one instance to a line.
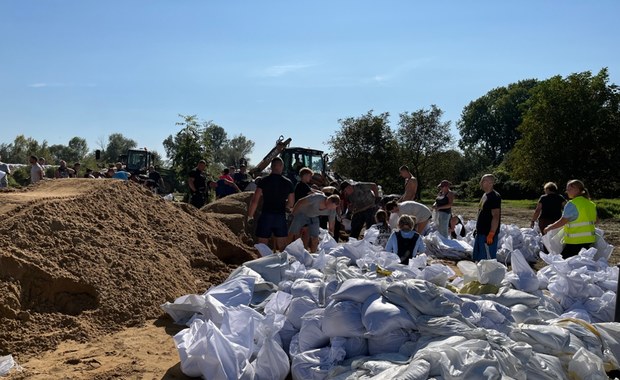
(571,130)
(422,136)
(608,208)
(187,147)
(365,149)
(117,145)
(488,125)
(237,148)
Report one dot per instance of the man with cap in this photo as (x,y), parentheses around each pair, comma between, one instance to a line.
(443,207)
(361,198)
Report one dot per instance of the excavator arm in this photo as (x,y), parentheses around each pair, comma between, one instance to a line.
(281,144)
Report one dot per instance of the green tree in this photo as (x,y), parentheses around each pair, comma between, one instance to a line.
(218,141)
(365,149)
(421,136)
(19,151)
(187,147)
(571,130)
(74,151)
(237,148)
(488,125)
(117,145)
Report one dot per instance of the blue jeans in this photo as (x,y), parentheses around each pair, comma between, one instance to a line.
(480,248)
(443,222)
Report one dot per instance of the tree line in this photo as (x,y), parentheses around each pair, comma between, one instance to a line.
(526,133)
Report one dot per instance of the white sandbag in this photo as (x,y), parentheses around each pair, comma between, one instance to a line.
(184,308)
(331,287)
(525,278)
(603,249)
(586,366)
(388,342)
(271,362)
(488,315)
(544,339)
(448,326)
(271,268)
(544,367)
(437,274)
(297,250)
(525,314)
(353,347)
(234,292)
(315,364)
(279,303)
(510,297)
(373,259)
(379,316)
(491,272)
(263,249)
(553,241)
(343,318)
(311,289)
(357,289)
(469,270)
(6,364)
(310,335)
(602,309)
(326,241)
(240,325)
(419,261)
(420,297)
(286,334)
(610,337)
(298,307)
(445,248)
(184,341)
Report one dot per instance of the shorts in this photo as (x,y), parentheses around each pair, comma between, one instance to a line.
(302,220)
(271,224)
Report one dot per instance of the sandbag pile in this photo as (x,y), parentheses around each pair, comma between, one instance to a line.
(352,312)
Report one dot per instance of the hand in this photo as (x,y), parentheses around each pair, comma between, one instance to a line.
(490,237)
(532,224)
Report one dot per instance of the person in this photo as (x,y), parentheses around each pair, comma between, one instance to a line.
(242,178)
(63,170)
(225,185)
(454,222)
(226,175)
(488,222)
(76,170)
(5,171)
(443,206)
(156,180)
(406,241)
(121,173)
(578,219)
(382,227)
(198,185)
(411,184)
(89,173)
(306,212)
(422,213)
(361,200)
(278,195)
(36,171)
(549,207)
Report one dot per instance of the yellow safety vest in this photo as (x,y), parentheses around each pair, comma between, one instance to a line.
(581,230)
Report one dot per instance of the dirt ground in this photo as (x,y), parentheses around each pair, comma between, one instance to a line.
(87,263)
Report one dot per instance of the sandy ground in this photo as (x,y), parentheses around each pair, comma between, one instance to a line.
(145,350)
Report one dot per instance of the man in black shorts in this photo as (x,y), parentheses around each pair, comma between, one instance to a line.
(198,185)
(278,194)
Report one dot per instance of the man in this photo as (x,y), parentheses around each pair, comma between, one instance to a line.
(198,185)
(277,194)
(411,184)
(421,213)
(76,170)
(36,171)
(156,179)
(361,201)
(63,170)
(242,178)
(5,171)
(121,173)
(306,213)
(488,222)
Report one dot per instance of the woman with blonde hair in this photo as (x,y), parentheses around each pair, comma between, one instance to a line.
(578,220)
(406,242)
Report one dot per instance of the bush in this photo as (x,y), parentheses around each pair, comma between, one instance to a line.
(608,208)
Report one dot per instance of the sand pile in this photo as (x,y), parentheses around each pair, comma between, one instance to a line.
(232,211)
(84,257)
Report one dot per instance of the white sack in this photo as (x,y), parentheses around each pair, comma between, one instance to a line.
(297,250)
(388,342)
(544,339)
(6,363)
(343,318)
(311,289)
(353,347)
(315,364)
(271,268)
(491,272)
(379,316)
(421,297)
(310,335)
(357,289)
(524,278)
(297,309)
(586,366)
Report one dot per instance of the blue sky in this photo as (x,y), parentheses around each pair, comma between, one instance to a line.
(269,68)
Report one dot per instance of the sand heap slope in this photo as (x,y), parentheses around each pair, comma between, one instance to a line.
(83,257)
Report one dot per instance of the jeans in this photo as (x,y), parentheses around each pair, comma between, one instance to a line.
(443,222)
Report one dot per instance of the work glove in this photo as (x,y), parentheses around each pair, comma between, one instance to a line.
(490,237)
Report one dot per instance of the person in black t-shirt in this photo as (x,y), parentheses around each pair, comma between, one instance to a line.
(488,222)
(278,195)
(199,185)
(549,207)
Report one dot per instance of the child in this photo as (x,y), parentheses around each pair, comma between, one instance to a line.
(383,227)
(405,242)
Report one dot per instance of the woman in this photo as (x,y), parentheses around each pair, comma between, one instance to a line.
(443,206)
(549,207)
(577,219)
(405,242)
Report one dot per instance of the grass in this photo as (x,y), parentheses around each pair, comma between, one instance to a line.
(606,208)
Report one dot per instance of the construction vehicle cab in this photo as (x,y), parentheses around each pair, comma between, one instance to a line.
(296,158)
(138,161)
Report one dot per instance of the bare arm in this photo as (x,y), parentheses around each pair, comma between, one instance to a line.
(258,194)
(536,213)
(495,220)
(410,190)
(290,201)
(331,226)
(557,224)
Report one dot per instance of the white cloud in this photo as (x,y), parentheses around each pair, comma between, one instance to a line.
(399,70)
(58,84)
(280,70)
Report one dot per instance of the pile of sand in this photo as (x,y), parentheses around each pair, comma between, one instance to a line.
(85,257)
